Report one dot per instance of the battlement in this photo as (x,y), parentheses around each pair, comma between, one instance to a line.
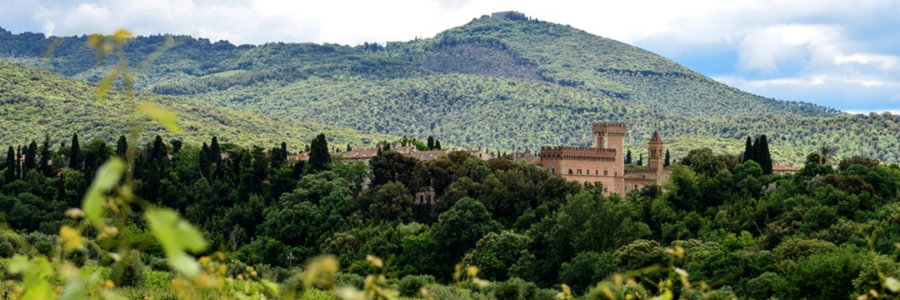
(578,153)
(608,127)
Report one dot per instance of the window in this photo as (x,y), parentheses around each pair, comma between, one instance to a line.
(596,172)
(579,171)
(570,171)
(605,172)
(605,190)
(550,170)
(421,199)
(616,172)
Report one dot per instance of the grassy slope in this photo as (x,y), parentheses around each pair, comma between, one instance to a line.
(35,103)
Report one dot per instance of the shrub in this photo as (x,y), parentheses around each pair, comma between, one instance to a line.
(78,257)
(44,248)
(409,286)
(6,249)
(129,271)
(349,279)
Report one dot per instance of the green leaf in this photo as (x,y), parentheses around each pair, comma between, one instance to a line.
(161,114)
(108,176)
(176,236)
(892,284)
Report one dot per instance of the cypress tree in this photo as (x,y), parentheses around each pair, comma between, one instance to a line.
(30,157)
(122,147)
(640,161)
(319,158)
(348,147)
(764,156)
(430,143)
(10,174)
(19,173)
(203,164)
(437,145)
(176,146)
(748,151)
(44,165)
(75,154)
(628,157)
(666,162)
(215,154)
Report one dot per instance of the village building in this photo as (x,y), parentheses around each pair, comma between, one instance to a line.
(605,162)
(784,170)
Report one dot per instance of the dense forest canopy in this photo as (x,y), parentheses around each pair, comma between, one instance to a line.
(819,233)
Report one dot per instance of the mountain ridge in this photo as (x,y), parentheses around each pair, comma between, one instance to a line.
(491,83)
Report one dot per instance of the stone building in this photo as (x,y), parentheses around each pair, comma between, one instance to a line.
(605,161)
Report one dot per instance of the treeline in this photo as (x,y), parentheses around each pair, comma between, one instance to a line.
(819,233)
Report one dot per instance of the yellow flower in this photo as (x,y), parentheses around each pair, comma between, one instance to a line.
(70,237)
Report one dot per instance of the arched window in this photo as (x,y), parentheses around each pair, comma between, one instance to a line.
(570,171)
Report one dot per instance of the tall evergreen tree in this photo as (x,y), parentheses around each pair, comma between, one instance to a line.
(748,151)
(30,157)
(44,164)
(10,174)
(628,157)
(122,147)
(203,163)
(348,147)
(176,146)
(75,154)
(666,163)
(19,173)
(430,143)
(765,157)
(437,145)
(319,158)
(640,161)
(215,153)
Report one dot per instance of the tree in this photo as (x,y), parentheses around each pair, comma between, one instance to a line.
(765,157)
(44,164)
(826,151)
(75,154)
(496,253)
(640,161)
(667,162)
(319,158)
(203,163)
(30,157)
(391,202)
(459,229)
(437,145)
(748,151)
(122,147)
(10,174)
(348,147)
(628,157)
(430,143)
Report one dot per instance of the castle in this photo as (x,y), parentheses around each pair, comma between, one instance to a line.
(605,162)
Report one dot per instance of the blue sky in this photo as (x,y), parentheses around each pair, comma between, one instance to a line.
(842,54)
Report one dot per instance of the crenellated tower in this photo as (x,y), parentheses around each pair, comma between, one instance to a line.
(611,136)
(656,153)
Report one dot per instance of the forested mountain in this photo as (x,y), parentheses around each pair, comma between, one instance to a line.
(513,83)
(36,103)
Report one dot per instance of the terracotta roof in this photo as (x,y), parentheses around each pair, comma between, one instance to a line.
(427,155)
(656,137)
(360,153)
(783,168)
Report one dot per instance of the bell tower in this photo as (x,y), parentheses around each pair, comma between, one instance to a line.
(655,162)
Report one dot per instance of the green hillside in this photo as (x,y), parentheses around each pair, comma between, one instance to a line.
(34,103)
(500,84)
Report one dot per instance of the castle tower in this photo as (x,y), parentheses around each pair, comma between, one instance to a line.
(611,136)
(656,153)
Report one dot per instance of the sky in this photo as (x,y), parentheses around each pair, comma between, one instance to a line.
(842,54)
